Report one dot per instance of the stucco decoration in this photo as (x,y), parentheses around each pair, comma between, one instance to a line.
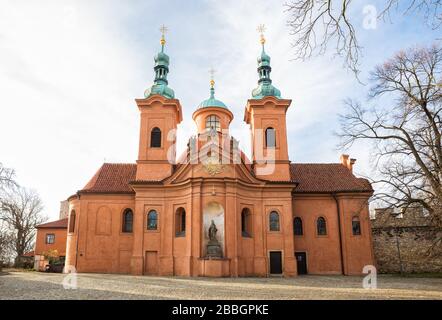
(212,166)
(213,212)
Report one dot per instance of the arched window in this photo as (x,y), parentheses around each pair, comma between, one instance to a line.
(356,226)
(72,222)
(155,138)
(128,220)
(180,222)
(152,220)
(321,226)
(297,226)
(212,122)
(274,221)
(270,138)
(246,223)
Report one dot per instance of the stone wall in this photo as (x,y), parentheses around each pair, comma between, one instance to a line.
(64,208)
(408,236)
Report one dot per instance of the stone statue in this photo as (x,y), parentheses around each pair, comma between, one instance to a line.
(212,231)
(213,246)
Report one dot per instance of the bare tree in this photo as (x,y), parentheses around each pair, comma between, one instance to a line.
(20,210)
(5,243)
(317,24)
(405,129)
(6,176)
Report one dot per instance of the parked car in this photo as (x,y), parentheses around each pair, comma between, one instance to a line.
(55,267)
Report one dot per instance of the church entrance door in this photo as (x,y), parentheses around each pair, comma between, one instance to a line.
(301,262)
(275,262)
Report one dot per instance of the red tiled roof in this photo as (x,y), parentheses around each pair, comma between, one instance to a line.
(326,178)
(28,254)
(112,177)
(61,224)
(310,177)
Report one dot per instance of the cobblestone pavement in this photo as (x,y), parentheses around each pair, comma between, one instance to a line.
(35,285)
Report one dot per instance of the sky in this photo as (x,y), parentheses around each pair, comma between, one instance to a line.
(70,71)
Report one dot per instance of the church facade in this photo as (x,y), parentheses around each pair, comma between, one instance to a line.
(212,211)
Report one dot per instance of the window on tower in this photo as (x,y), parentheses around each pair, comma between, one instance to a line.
(155,138)
(270,138)
(212,122)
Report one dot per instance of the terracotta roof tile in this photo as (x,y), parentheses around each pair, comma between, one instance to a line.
(310,177)
(326,177)
(112,177)
(29,254)
(59,224)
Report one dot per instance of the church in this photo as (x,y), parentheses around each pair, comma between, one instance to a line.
(213,211)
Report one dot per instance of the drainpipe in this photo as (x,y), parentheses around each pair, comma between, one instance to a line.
(338,209)
(77,224)
(76,249)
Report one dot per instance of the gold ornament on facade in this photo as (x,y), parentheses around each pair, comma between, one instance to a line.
(212,166)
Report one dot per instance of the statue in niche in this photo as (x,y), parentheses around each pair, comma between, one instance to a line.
(213,246)
(212,231)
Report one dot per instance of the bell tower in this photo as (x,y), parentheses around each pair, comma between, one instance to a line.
(266,115)
(160,114)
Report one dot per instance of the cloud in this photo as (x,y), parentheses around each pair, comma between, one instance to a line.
(70,71)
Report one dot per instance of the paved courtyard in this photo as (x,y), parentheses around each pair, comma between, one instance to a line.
(35,285)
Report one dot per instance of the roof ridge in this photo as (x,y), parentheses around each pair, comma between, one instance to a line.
(119,163)
(294,163)
(52,223)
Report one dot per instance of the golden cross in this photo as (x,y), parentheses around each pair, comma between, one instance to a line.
(163,30)
(261,29)
(212,73)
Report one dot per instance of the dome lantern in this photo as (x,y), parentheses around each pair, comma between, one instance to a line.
(265,87)
(161,69)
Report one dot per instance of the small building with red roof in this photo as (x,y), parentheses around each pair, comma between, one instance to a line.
(50,240)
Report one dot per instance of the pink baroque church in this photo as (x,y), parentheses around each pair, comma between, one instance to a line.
(213,212)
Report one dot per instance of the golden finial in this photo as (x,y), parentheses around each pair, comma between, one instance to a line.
(163,31)
(261,29)
(212,81)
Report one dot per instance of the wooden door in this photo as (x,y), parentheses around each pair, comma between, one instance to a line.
(301,262)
